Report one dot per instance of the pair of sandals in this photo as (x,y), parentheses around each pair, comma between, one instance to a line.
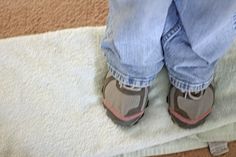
(126,105)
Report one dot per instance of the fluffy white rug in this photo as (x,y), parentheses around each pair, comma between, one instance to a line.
(50,91)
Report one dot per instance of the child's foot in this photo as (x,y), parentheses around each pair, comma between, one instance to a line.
(125,105)
(190,109)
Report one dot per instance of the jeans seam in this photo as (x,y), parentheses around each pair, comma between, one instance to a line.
(167,36)
(130,81)
(234,21)
(186,86)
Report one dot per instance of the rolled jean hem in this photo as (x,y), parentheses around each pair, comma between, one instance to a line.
(126,80)
(185,86)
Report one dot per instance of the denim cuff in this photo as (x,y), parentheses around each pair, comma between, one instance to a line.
(187,86)
(127,80)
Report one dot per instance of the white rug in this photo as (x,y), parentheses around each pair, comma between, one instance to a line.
(50,91)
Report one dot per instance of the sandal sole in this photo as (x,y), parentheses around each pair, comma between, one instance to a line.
(184,125)
(123,123)
(187,126)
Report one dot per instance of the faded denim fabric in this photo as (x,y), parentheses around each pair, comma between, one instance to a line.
(187,36)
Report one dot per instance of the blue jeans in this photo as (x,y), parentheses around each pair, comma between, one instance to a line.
(187,36)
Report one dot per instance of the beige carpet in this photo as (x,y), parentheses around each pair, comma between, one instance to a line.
(22,17)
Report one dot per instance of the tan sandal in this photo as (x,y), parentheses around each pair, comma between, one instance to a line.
(190,109)
(125,105)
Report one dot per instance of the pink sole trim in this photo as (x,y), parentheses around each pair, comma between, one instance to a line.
(189,121)
(109,106)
